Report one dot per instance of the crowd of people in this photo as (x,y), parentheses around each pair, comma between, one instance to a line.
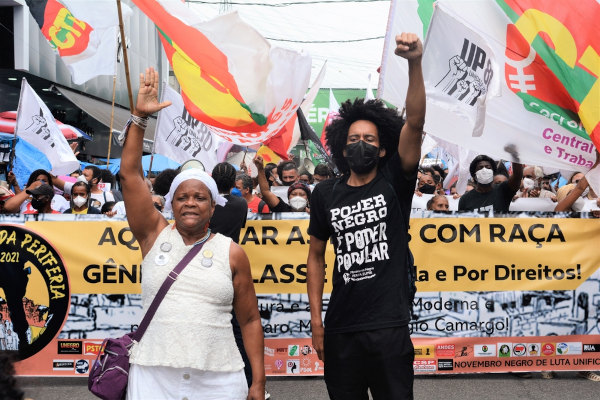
(287,187)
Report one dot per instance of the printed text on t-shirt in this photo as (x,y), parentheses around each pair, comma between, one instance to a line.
(360,231)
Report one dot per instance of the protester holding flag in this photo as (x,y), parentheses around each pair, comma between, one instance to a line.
(11,179)
(365,342)
(190,339)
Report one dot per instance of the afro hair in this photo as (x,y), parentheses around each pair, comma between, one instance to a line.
(388,122)
(479,158)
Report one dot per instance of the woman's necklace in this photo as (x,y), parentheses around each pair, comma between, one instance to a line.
(204,239)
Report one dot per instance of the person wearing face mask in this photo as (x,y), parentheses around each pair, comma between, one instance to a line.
(486,196)
(21,202)
(364,340)
(531,185)
(80,200)
(426,185)
(271,174)
(298,193)
(299,197)
(41,200)
(287,172)
(93,176)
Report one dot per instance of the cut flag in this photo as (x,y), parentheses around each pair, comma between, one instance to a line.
(369,92)
(553,60)
(180,137)
(268,155)
(36,125)
(283,142)
(231,79)
(84,34)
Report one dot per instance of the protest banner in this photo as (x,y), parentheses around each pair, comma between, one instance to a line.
(494,294)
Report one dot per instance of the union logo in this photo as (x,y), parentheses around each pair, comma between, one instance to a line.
(67,34)
(551,62)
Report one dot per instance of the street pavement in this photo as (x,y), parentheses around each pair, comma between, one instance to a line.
(566,386)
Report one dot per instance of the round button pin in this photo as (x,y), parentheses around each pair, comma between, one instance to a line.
(166,247)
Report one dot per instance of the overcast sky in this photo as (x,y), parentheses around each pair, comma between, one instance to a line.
(348,63)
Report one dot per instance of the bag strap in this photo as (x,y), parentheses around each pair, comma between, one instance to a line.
(171,278)
(261,207)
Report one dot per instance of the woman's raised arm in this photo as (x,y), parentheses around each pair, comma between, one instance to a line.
(145,221)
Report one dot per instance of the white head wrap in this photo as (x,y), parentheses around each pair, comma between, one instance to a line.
(194,173)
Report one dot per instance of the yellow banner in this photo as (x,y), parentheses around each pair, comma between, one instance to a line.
(101,257)
(476,254)
(451,254)
(83,278)
(278,251)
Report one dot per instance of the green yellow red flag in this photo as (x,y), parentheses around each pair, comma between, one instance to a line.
(230,77)
(561,38)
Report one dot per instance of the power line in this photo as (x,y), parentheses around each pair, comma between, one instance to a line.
(326,41)
(293,3)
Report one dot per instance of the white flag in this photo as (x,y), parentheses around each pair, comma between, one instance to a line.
(459,69)
(84,34)
(180,137)
(516,117)
(36,125)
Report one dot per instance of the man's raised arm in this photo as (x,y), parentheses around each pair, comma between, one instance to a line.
(409,46)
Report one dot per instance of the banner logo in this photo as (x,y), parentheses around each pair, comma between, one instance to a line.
(65,33)
(190,135)
(34,291)
(69,347)
(463,81)
(39,126)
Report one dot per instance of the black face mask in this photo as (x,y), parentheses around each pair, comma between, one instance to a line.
(361,156)
(288,183)
(427,189)
(38,204)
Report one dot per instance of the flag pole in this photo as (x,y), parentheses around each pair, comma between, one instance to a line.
(112,119)
(151,160)
(125,59)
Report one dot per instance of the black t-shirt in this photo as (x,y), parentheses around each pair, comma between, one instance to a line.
(498,199)
(368,226)
(230,220)
(282,206)
(90,210)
